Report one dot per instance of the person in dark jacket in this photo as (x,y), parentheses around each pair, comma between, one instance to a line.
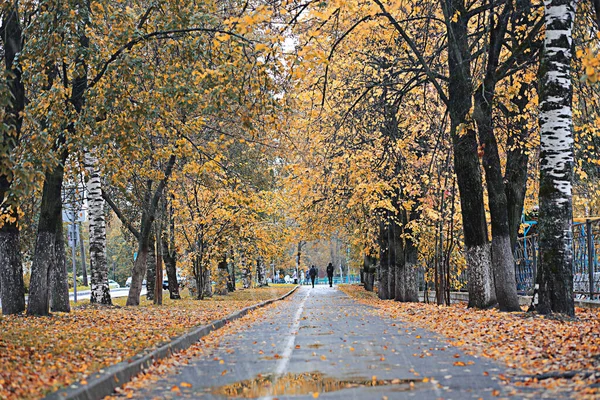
(313,275)
(330,274)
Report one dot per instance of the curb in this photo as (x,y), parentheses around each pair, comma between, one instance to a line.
(104,383)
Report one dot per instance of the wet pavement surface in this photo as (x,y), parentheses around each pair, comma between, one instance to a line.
(321,343)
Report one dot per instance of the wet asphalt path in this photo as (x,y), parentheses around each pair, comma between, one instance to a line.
(320,340)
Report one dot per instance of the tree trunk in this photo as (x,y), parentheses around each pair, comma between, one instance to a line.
(555,274)
(246,271)
(59,285)
(207,283)
(503,265)
(466,161)
(12,289)
(137,275)
(170,260)
(158,287)
(392,250)
(151,268)
(231,272)
(515,174)
(517,160)
(398,261)
(262,275)
(44,256)
(369,268)
(169,253)
(411,286)
(222,278)
(384,250)
(100,290)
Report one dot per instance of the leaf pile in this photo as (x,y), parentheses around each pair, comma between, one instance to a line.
(534,344)
(40,355)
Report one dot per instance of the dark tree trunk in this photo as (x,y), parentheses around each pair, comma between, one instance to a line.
(158,287)
(222,277)
(59,286)
(392,251)
(369,268)
(169,253)
(170,260)
(466,161)
(12,289)
(151,268)
(411,290)
(517,160)
(407,290)
(383,259)
(398,260)
(555,274)
(44,256)
(503,265)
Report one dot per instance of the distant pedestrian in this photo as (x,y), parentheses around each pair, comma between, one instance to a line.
(313,275)
(330,274)
(307,277)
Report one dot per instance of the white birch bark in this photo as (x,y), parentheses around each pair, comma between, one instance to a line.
(555,275)
(100,291)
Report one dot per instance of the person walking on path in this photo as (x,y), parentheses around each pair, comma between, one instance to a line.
(330,274)
(313,275)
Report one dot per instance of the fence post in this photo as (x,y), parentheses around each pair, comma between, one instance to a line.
(590,254)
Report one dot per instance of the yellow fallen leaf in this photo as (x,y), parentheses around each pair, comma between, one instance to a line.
(175,389)
(315,395)
(185,384)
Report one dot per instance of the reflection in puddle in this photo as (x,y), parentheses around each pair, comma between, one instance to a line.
(306,383)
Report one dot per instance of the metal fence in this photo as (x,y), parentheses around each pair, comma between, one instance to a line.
(586,267)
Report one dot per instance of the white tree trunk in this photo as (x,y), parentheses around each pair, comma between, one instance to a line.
(555,275)
(481,279)
(100,291)
(261,273)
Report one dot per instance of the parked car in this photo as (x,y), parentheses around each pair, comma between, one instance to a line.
(165,283)
(128,282)
(113,285)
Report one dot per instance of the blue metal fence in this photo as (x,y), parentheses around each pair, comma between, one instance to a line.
(586,266)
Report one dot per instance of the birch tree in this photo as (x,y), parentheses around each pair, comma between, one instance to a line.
(555,275)
(97,226)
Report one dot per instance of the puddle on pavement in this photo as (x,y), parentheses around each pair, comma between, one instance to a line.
(306,383)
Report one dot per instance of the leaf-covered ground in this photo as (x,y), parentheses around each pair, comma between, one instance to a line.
(537,346)
(40,355)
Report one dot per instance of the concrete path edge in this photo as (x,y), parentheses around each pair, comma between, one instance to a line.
(101,384)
